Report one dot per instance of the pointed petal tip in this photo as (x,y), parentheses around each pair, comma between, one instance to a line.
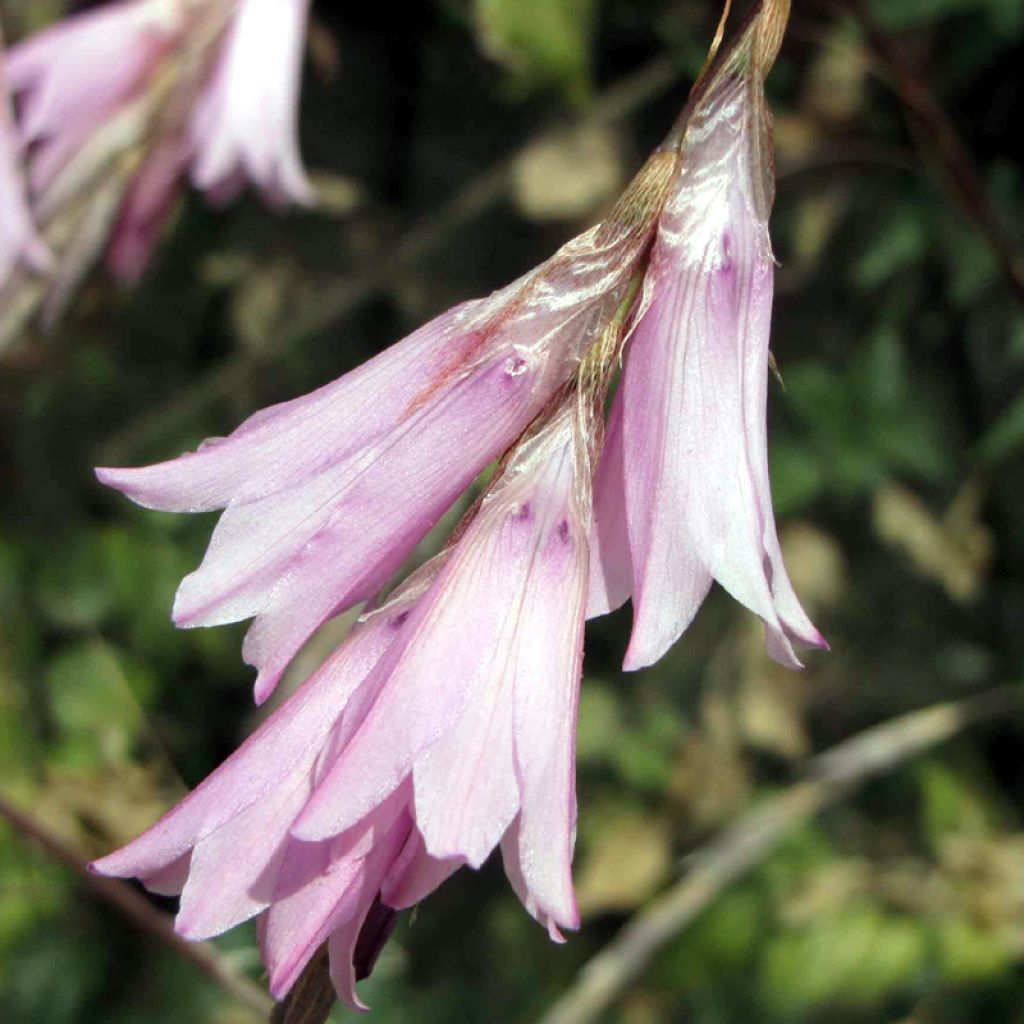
(639,654)
(193,929)
(307,826)
(818,642)
(108,475)
(264,687)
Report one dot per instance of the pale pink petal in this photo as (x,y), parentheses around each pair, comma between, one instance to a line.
(170,880)
(512,861)
(695,454)
(71,77)
(465,783)
(547,686)
(611,567)
(321,886)
(234,869)
(282,752)
(145,211)
(246,122)
(461,641)
(415,874)
(19,240)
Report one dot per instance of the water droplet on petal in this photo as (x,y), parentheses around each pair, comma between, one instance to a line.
(515,365)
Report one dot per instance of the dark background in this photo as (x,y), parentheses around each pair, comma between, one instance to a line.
(897,449)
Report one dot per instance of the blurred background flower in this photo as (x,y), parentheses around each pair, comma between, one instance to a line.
(453,146)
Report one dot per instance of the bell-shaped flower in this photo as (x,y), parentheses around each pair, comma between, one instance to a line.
(683,495)
(19,241)
(245,126)
(475,702)
(226,849)
(76,75)
(326,496)
(442,727)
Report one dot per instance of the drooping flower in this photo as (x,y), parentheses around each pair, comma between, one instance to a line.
(72,78)
(245,125)
(445,725)
(326,496)
(683,496)
(441,728)
(116,105)
(19,240)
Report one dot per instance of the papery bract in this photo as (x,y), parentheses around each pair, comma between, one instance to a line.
(688,478)
(245,126)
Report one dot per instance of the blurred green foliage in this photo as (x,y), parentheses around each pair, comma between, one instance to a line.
(898,445)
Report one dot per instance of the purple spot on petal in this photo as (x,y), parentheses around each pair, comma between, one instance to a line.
(726,264)
(523,514)
(397,621)
(563,532)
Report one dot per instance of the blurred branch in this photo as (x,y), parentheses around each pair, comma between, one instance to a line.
(431,233)
(829,778)
(962,178)
(130,904)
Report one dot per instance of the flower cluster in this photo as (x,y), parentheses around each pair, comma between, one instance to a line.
(444,725)
(113,108)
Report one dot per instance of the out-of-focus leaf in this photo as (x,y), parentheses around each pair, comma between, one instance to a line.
(909,13)
(1005,437)
(541,42)
(32,991)
(903,241)
(72,587)
(600,722)
(954,803)
(969,953)
(568,177)
(627,859)
(954,549)
(94,693)
(854,959)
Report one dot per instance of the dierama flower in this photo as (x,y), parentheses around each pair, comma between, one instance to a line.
(373,783)
(326,496)
(445,725)
(683,496)
(245,125)
(117,104)
(19,240)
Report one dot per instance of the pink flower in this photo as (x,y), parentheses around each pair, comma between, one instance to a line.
(19,240)
(117,104)
(75,76)
(245,123)
(442,727)
(683,496)
(327,495)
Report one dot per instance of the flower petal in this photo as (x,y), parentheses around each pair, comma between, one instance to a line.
(283,751)
(323,885)
(611,566)
(697,491)
(246,121)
